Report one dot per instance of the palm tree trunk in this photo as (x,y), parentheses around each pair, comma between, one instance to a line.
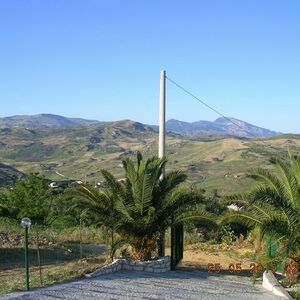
(161,244)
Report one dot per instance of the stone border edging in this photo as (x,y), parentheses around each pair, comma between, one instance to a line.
(153,266)
(270,283)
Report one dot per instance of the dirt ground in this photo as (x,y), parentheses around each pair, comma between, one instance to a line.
(215,259)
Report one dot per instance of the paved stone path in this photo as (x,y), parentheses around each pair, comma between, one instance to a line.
(171,285)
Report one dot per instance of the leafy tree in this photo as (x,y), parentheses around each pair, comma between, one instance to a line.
(273,206)
(143,205)
(30,197)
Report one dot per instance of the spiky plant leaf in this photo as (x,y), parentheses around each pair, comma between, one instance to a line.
(273,205)
(144,205)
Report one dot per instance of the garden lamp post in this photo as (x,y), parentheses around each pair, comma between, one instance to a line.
(26,222)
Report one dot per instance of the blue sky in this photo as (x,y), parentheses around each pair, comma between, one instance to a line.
(101,59)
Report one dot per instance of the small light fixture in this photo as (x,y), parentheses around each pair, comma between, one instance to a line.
(26,222)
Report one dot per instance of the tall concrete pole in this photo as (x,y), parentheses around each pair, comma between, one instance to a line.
(162,141)
(162,115)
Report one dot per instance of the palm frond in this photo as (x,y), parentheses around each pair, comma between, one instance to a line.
(171,181)
(240,199)
(273,205)
(245,218)
(266,177)
(201,216)
(266,194)
(115,186)
(288,180)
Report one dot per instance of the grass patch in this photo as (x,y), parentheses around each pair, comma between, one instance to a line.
(62,255)
(295,295)
(14,279)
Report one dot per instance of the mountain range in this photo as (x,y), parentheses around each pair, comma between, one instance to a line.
(221,126)
(77,152)
(43,121)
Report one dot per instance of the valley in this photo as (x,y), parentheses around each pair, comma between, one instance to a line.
(211,162)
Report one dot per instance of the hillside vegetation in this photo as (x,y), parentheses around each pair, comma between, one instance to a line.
(9,175)
(80,152)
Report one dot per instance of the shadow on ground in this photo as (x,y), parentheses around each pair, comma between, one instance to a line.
(11,258)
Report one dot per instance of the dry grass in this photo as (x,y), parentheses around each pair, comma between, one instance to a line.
(14,279)
(62,256)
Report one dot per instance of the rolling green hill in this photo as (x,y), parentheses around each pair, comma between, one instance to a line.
(80,152)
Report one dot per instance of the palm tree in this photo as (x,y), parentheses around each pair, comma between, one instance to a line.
(143,205)
(99,206)
(273,206)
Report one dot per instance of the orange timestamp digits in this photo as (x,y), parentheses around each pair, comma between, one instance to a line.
(235,268)
(258,268)
(253,268)
(214,268)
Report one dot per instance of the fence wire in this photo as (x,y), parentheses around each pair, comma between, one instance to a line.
(54,255)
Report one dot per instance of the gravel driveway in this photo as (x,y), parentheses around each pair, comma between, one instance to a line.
(181,284)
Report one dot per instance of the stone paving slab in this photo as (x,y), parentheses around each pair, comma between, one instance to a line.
(179,284)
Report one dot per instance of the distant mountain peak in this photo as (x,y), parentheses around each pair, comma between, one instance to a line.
(222,125)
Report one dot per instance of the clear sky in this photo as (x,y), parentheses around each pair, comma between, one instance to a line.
(101,59)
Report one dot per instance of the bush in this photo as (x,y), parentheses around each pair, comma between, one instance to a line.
(227,235)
